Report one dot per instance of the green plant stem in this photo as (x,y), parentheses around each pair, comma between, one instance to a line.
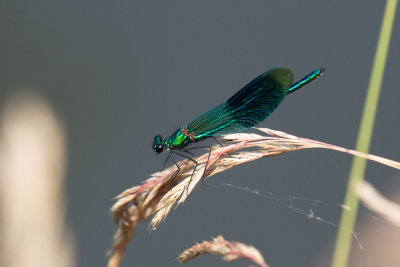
(344,237)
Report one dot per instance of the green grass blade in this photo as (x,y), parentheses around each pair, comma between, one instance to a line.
(344,237)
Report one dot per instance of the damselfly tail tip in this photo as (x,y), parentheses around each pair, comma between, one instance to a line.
(321,71)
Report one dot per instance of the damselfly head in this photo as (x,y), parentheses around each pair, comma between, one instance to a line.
(157,144)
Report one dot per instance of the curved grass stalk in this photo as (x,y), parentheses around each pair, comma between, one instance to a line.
(374,201)
(158,194)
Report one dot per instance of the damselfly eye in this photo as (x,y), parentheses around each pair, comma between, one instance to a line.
(158,148)
(157,144)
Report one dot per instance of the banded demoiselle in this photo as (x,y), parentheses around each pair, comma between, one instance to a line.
(249,106)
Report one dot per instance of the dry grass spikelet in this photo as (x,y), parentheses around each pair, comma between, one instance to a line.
(158,194)
(229,251)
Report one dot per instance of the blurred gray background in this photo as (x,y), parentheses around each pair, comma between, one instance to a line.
(120,72)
